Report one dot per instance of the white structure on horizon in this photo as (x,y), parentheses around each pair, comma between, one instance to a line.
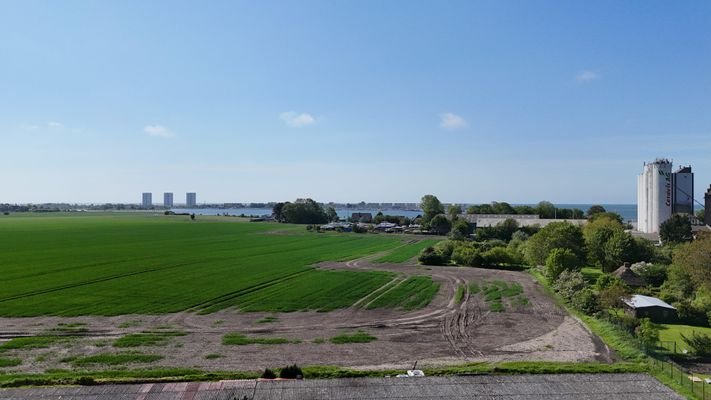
(190,199)
(168,200)
(147,200)
(660,193)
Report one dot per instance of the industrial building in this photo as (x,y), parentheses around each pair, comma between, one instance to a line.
(147,200)
(661,193)
(168,200)
(190,199)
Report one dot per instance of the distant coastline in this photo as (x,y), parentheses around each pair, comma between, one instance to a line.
(627,211)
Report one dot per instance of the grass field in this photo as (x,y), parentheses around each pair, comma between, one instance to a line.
(406,252)
(411,294)
(672,333)
(140,263)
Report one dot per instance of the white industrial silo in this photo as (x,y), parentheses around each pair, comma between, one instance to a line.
(654,195)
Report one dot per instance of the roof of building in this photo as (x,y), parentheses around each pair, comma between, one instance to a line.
(628,276)
(640,301)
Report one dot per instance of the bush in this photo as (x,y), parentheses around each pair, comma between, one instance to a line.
(291,372)
(569,283)
(586,301)
(497,256)
(605,281)
(465,255)
(700,343)
(560,260)
(647,332)
(268,374)
(429,256)
(626,322)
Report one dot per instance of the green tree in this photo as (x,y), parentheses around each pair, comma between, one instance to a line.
(331,214)
(701,214)
(304,212)
(431,206)
(560,260)
(596,209)
(700,343)
(498,256)
(277,211)
(676,229)
(460,229)
(440,225)
(561,235)
(546,209)
(620,248)
(569,284)
(613,296)
(502,208)
(647,332)
(453,211)
(694,259)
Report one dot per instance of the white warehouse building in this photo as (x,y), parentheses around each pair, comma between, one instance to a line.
(661,193)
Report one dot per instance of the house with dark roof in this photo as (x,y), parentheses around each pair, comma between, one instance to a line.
(653,308)
(628,276)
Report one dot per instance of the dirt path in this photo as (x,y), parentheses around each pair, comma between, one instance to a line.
(444,332)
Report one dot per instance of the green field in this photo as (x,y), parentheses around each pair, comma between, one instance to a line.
(411,294)
(406,252)
(672,333)
(126,263)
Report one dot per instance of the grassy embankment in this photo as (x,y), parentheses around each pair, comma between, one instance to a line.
(624,345)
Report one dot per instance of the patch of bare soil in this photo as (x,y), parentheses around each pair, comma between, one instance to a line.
(444,332)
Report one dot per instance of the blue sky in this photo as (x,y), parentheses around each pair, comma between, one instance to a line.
(515,101)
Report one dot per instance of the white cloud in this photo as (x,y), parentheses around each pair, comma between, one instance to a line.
(54,124)
(293,118)
(587,76)
(158,131)
(452,121)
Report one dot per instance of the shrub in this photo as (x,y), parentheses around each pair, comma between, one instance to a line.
(700,343)
(268,374)
(464,255)
(569,283)
(647,332)
(586,301)
(429,256)
(560,260)
(291,372)
(497,256)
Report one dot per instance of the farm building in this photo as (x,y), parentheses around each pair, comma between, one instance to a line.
(650,307)
(628,276)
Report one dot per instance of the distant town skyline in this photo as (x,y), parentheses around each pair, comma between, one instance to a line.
(345,101)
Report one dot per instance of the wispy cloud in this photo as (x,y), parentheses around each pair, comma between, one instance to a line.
(159,131)
(54,124)
(587,76)
(292,118)
(452,121)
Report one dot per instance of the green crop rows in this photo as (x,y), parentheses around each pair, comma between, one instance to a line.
(497,291)
(411,294)
(114,264)
(406,252)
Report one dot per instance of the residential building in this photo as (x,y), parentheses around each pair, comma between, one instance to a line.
(650,307)
(190,199)
(168,200)
(147,200)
